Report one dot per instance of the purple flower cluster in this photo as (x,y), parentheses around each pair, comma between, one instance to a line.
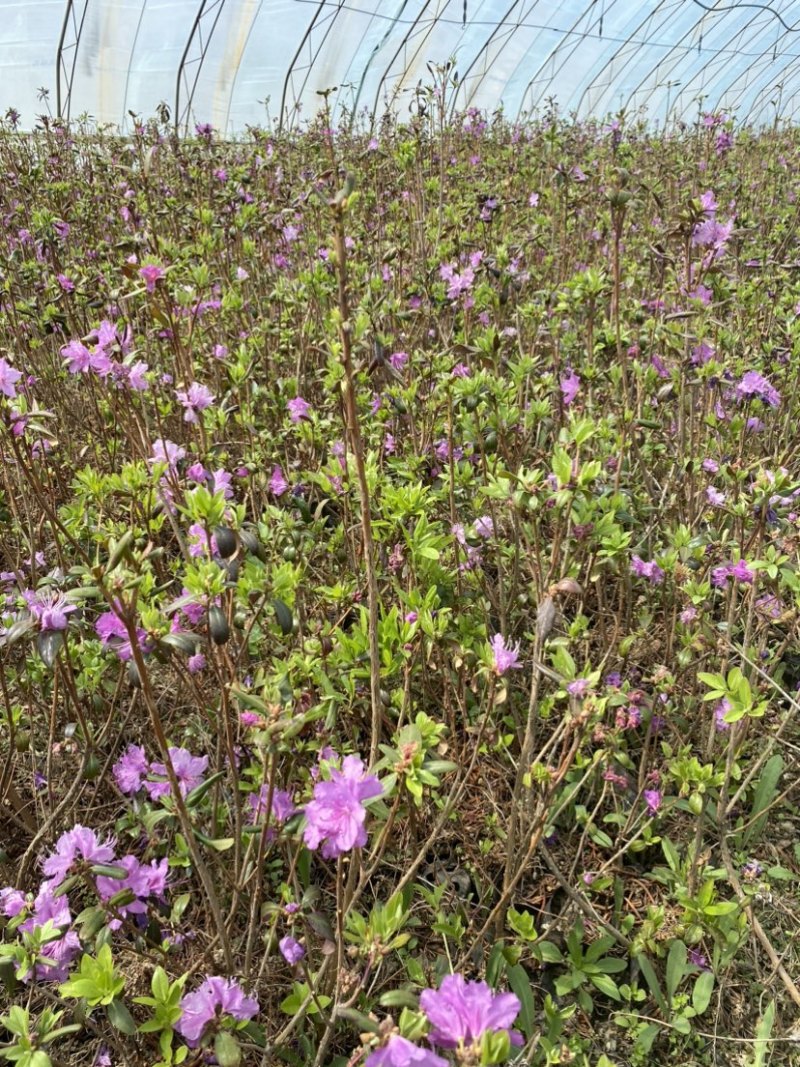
(113,633)
(77,851)
(460,1013)
(647,569)
(107,357)
(215,999)
(754,384)
(57,953)
(739,572)
(281,806)
(336,815)
(133,771)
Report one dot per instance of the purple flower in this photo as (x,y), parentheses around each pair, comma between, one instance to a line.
(697,959)
(578,687)
(50,609)
(12,902)
(755,384)
(739,571)
(195,399)
(198,542)
(647,569)
(113,632)
(167,452)
(136,376)
(506,657)
(720,711)
(215,997)
(336,815)
(702,354)
(456,283)
(398,360)
(570,385)
(713,234)
(61,952)
(715,497)
(400,1052)
(484,527)
(291,950)
(281,807)
(150,274)
(8,379)
(129,769)
(462,1011)
(298,409)
(189,771)
(78,357)
(79,843)
(196,663)
(143,881)
(653,800)
(277,483)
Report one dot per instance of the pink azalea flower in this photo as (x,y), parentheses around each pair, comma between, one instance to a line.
(130,768)
(281,808)
(652,798)
(50,609)
(189,771)
(506,657)
(8,379)
(150,274)
(462,1011)
(277,483)
(195,399)
(298,409)
(400,1052)
(78,357)
(291,950)
(79,843)
(570,385)
(215,997)
(335,816)
(167,452)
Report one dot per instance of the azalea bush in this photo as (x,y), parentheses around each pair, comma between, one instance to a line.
(399,593)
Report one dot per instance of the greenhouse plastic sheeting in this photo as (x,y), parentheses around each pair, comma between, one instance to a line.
(234,63)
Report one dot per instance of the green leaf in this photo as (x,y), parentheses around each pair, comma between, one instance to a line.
(701,994)
(283,616)
(120,1017)
(654,986)
(765,793)
(227,1050)
(199,791)
(763,1033)
(605,985)
(682,1025)
(547,952)
(724,907)
(676,967)
(646,1037)
(521,985)
(399,998)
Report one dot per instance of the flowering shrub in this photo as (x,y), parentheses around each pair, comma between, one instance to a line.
(399,593)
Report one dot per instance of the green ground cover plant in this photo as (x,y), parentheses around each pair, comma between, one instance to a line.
(399,593)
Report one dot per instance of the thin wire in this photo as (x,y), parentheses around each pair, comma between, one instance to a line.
(555,29)
(758,7)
